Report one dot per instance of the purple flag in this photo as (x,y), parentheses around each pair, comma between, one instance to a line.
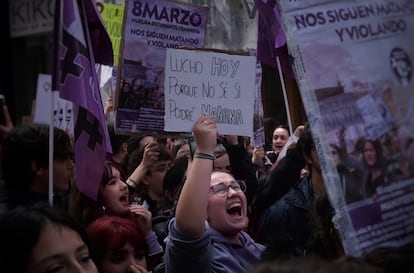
(74,76)
(271,41)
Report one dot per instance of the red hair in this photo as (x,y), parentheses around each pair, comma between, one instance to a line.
(113,232)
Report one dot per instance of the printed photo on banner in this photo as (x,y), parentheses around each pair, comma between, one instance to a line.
(150,28)
(353,61)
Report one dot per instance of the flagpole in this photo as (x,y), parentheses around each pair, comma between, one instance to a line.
(279,68)
(51,151)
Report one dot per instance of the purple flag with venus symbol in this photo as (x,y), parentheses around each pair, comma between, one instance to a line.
(80,38)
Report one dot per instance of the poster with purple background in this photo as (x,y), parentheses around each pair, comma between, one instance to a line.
(353,61)
(150,27)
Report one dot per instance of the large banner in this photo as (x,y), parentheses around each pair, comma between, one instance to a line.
(353,61)
(150,27)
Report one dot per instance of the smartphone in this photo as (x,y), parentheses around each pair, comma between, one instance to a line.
(2,103)
(192,144)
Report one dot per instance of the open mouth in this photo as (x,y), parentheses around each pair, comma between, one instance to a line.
(235,209)
(124,198)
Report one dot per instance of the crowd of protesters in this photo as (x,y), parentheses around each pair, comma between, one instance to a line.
(164,206)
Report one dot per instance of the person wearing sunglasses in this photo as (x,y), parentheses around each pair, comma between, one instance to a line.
(208,231)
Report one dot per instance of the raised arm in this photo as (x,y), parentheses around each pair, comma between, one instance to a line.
(241,165)
(151,153)
(191,209)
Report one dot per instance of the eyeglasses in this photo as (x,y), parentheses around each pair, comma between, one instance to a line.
(221,189)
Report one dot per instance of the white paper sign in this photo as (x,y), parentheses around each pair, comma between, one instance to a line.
(62,111)
(205,83)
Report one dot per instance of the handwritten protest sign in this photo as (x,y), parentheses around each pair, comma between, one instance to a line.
(360,53)
(62,109)
(113,15)
(150,27)
(202,83)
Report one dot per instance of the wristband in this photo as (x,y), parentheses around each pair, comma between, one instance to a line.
(204,156)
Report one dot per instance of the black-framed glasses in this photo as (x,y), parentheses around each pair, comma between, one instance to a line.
(222,189)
